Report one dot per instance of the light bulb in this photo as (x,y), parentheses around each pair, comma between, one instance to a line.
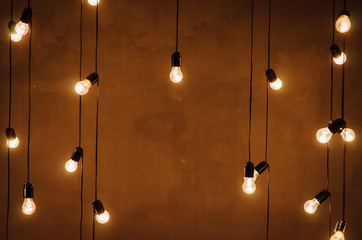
(311,206)
(176,74)
(103,218)
(13,143)
(276,85)
(249,186)
(341,59)
(22,28)
(82,87)
(337,236)
(348,135)
(343,24)
(256,174)
(93,2)
(28,206)
(16,37)
(324,135)
(71,165)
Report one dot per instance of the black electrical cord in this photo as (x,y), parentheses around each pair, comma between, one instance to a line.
(28,148)
(80,120)
(327,188)
(251,72)
(344,181)
(343,74)
(177,10)
(268,205)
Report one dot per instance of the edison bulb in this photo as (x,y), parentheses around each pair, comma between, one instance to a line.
(13,143)
(15,37)
(343,24)
(93,2)
(311,206)
(341,59)
(338,236)
(22,28)
(176,74)
(277,84)
(348,135)
(28,206)
(82,87)
(103,218)
(71,165)
(249,186)
(324,135)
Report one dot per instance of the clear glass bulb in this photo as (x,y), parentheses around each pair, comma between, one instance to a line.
(341,59)
(93,2)
(15,37)
(22,28)
(103,218)
(249,186)
(343,24)
(71,165)
(13,143)
(348,135)
(337,236)
(311,206)
(277,84)
(28,206)
(176,74)
(82,87)
(323,135)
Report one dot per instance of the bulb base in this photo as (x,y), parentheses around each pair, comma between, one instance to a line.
(28,190)
(93,77)
(344,12)
(10,134)
(322,196)
(77,154)
(270,75)
(341,226)
(261,167)
(11,26)
(26,15)
(337,125)
(98,207)
(249,170)
(335,50)
(176,59)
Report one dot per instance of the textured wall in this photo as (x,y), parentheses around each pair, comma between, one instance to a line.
(171,156)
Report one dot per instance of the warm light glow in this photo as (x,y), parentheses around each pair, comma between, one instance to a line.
(71,165)
(337,236)
(13,143)
(277,84)
(348,135)
(82,87)
(103,218)
(343,24)
(93,2)
(324,135)
(249,186)
(28,206)
(176,74)
(22,28)
(16,37)
(341,59)
(311,206)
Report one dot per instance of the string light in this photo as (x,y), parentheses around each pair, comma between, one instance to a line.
(343,23)
(338,56)
(28,206)
(22,27)
(339,230)
(102,216)
(12,139)
(249,186)
(71,164)
(176,73)
(274,82)
(93,2)
(15,37)
(82,87)
(312,205)
(338,125)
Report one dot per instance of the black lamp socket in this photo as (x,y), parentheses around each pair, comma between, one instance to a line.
(176,59)
(322,196)
(93,77)
(10,134)
(337,125)
(261,167)
(98,207)
(11,26)
(249,170)
(344,12)
(336,52)
(77,154)
(26,15)
(270,75)
(341,226)
(28,190)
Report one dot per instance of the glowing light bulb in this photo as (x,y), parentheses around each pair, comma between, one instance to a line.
(28,206)
(324,135)
(337,236)
(348,135)
(103,218)
(176,74)
(343,24)
(341,59)
(249,186)
(93,2)
(13,143)
(16,37)
(311,206)
(71,165)
(276,85)
(82,87)
(22,28)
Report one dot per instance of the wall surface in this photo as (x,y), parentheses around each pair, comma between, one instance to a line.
(171,156)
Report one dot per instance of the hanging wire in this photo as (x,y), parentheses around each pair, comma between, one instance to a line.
(177,9)
(251,72)
(80,120)
(28,148)
(268,205)
(344,181)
